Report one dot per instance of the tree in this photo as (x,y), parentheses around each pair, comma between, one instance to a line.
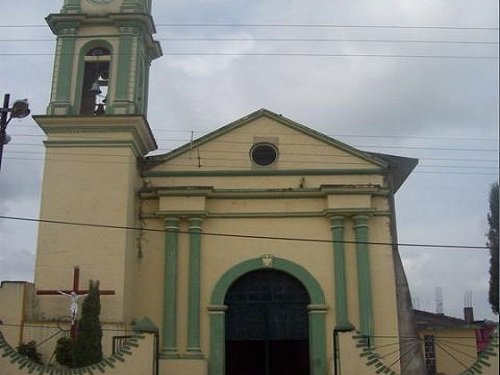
(493,246)
(88,348)
(30,350)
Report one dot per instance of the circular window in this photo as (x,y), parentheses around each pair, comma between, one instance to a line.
(264,154)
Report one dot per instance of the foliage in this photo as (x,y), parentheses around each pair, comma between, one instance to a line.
(30,350)
(64,351)
(88,348)
(493,246)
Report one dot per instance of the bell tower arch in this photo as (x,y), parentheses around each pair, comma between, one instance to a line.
(96,37)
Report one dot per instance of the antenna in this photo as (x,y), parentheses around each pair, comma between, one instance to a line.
(468,309)
(468,298)
(439,300)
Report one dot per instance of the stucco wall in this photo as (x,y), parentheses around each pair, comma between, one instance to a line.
(136,358)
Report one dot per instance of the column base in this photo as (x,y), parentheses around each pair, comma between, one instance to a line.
(344,327)
(194,353)
(169,354)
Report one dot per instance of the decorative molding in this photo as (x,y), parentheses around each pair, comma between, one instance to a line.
(267,261)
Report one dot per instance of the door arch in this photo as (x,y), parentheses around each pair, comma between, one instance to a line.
(266,329)
(316,311)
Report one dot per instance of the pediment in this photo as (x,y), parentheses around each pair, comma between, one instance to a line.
(298,147)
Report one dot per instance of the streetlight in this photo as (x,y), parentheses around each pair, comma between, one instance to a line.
(19,109)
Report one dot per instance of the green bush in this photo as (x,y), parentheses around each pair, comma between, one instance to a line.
(64,351)
(30,350)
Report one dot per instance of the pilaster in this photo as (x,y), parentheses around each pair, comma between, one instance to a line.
(364,274)
(169,327)
(71,6)
(63,68)
(217,363)
(193,344)
(340,285)
(317,339)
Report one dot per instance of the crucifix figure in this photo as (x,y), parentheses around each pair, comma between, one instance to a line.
(73,308)
(75,295)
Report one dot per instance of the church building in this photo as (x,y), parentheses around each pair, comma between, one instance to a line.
(263,247)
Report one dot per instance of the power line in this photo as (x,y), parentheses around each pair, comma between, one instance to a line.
(315,40)
(291,25)
(390,136)
(284,54)
(313,240)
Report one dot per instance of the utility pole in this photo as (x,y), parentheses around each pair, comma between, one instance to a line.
(19,109)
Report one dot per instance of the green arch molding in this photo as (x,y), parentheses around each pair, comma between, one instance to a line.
(26,364)
(483,359)
(317,311)
(81,68)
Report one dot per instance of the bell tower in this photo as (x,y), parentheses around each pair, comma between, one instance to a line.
(97,136)
(103,55)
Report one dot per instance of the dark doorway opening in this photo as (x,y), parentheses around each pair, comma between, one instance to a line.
(267,325)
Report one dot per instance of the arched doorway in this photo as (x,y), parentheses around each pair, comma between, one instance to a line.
(267,328)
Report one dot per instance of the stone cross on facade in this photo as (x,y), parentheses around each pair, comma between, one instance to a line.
(73,293)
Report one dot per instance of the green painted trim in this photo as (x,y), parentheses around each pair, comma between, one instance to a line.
(312,286)
(317,341)
(340,283)
(317,309)
(22,362)
(81,70)
(253,193)
(484,357)
(71,6)
(370,356)
(256,172)
(364,275)
(123,72)
(169,327)
(217,362)
(193,344)
(65,68)
(283,121)
(231,215)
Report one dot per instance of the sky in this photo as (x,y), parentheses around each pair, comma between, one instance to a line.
(425,86)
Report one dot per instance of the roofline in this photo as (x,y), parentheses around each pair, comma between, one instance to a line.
(155,160)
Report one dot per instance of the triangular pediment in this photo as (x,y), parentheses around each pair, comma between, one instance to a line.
(298,147)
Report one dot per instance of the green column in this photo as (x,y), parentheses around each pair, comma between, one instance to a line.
(71,6)
(364,275)
(122,103)
(60,102)
(317,339)
(340,285)
(217,360)
(193,345)
(169,328)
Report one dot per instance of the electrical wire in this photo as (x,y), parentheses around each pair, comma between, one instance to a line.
(283,54)
(315,40)
(245,236)
(285,25)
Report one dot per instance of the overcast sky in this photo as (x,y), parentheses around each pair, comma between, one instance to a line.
(442,110)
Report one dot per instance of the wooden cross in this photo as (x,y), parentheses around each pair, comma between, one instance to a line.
(76,289)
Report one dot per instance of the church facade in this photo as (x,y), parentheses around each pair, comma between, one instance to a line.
(264,247)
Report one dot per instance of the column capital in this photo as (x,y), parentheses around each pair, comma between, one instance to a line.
(337,221)
(171,222)
(360,220)
(195,222)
